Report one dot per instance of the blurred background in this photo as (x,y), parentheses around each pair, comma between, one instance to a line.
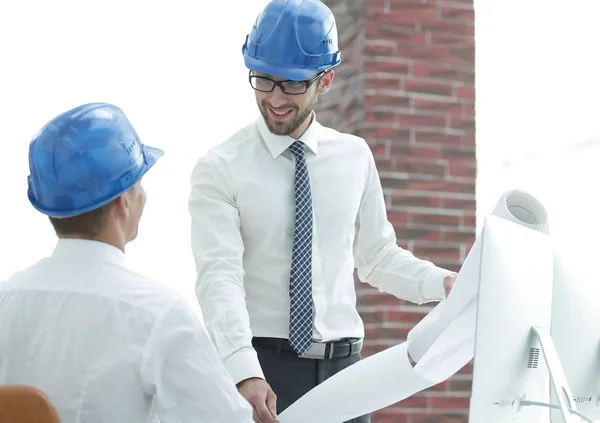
(460,100)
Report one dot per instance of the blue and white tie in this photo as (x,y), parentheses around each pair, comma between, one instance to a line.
(301,273)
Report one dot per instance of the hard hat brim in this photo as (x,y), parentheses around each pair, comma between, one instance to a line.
(294,74)
(151,155)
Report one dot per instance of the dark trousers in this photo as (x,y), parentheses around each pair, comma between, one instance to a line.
(291,377)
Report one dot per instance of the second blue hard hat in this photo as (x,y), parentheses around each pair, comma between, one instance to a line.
(84,159)
(293,39)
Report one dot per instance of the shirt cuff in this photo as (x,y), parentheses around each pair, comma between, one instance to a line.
(243,365)
(432,287)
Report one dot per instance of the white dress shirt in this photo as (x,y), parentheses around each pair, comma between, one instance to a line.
(242,207)
(109,345)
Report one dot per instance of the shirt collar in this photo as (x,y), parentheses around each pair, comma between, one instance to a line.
(84,248)
(277,144)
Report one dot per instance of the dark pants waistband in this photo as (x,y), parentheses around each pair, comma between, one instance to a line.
(318,350)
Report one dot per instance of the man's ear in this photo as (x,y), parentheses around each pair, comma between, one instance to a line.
(326,81)
(120,205)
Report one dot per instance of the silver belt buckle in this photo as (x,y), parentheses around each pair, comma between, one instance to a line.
(316,351)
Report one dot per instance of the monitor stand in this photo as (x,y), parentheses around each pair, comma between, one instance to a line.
(557,378)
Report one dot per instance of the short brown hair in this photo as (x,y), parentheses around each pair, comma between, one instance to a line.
(89,224)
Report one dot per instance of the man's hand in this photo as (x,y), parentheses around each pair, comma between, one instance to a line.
(449,283)
(262,398)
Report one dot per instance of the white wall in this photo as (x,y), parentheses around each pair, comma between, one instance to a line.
(175,68)
(537,88)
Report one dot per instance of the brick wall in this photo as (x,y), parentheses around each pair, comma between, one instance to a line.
(406,84)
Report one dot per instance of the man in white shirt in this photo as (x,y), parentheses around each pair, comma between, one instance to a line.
(104,343)
(282,213)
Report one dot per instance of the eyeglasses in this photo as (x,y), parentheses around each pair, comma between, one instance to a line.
(266,85)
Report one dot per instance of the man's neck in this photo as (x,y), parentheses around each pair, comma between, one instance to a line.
(107,239)
(302,128)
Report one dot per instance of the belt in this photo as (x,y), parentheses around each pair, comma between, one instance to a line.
(318,350)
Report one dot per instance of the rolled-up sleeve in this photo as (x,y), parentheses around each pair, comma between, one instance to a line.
(218,250)
(378,258)
(182,370)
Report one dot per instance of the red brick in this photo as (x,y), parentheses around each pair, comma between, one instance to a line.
(458,56)
(468,221)
(397,218)
(433,54)
(407,18)
(377,49)
(416,94)
(423,168)
(420,120)
(380,83)
(394,133)
(391,182)
(400,36)
(451,40)
(378,148)
(374,317)
(448,403)
(414,401)
(448,27)
(435,219)
(411,199)
(369,350)
(464,15)
(463,55)
(384,164)
(415,234)
(457,236)
(386,27)
(437,137)
(373,96)
(385,416)
(380,116)
(415,8)
(440,387)
(461,385)
(468,109)
(467,369)
(466,91)
(459,122)
(405,316)
(429,87)
(415,151)
(369,133)
(461,169)
(396,334)
(439,104)
(406,245)
(437,253)
(462,153)
(376,298)
(388,66)
(463,186)
(454,74)
(434,417)
(399,99)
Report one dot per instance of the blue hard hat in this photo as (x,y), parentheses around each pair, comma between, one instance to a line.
(293,39)
(84,159)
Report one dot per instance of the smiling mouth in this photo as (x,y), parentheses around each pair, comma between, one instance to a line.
(280,114)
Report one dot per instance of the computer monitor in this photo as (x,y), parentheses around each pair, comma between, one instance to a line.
(513,315)
(576,322)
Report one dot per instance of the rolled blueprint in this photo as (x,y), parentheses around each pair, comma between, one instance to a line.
(441,343)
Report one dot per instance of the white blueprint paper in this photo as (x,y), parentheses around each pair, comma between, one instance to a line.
(441,344)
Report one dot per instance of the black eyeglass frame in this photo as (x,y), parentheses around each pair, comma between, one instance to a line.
(307,83)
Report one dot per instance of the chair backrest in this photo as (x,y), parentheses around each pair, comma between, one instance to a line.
(25,404)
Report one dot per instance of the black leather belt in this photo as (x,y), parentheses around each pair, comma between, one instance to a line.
(318,350)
